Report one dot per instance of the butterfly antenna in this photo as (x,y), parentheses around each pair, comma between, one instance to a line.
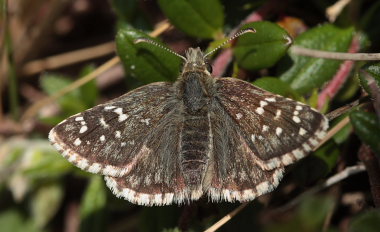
(145,40)
(241,32)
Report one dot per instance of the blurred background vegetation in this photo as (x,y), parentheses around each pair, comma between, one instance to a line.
(48,45)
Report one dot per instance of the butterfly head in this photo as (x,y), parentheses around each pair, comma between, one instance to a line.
(195,61)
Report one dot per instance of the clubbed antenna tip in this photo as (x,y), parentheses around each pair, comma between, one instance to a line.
(239,33)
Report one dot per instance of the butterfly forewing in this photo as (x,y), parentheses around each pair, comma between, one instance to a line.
(277,130)
(109,138)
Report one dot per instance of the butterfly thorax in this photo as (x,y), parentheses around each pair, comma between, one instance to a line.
(195,87)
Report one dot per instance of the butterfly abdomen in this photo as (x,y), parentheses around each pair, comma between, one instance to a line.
(194,147)
(195,129)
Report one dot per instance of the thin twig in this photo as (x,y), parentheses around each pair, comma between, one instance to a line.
(334,55)
(226,218)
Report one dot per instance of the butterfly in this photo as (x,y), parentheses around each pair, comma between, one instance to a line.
(166,143)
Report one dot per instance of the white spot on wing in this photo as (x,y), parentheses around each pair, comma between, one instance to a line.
(278,114)
(117,134)
(302,131)
(253,138)
(122,117)
(146,121)
(109,107)
(265,128)
(77,142)
(298,107)
(278,131)
(83,129)
(103,123)
(239,116)
(102,138)
(270,99)
(296,119)
(259,110)
(78,119)
(263,103)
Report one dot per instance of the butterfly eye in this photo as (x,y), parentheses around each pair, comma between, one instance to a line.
(209,67)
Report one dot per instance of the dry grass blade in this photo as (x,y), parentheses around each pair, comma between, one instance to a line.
(68,58)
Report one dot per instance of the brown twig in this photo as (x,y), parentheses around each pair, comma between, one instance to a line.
(371,163)
(334,55)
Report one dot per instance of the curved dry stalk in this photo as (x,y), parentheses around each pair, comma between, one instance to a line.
(33,110)
(226,218)
(334,55)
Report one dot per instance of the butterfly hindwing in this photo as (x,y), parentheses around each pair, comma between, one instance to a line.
(278,130)
(109,138)
(235,174)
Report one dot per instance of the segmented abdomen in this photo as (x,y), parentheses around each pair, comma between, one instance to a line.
(194,147)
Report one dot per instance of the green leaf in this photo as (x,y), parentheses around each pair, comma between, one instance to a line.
(368,74)
(308,73)
(198,18)
(261,49)
(143,61)
(277,86)
(45,203)
(367,127)
(92,209)
(368,221)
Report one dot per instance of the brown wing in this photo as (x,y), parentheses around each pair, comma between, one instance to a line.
(109,139)
(277,130)
(234,174)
